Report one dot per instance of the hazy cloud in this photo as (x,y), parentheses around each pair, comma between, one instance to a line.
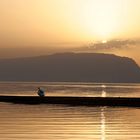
(113,45)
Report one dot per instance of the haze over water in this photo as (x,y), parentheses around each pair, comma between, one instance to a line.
(60,122)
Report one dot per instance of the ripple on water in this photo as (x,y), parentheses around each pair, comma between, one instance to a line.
(54,122)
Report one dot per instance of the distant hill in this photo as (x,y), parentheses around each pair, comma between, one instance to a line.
(71,67)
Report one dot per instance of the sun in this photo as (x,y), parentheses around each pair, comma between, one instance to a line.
(104,41)
(102,18)
(105,19)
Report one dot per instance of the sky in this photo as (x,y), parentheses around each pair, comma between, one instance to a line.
(68,24)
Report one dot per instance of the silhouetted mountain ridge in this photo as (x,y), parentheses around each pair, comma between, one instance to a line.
(71,67)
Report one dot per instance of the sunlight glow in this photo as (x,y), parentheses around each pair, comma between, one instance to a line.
(67,23)
(103,17)
(104,41)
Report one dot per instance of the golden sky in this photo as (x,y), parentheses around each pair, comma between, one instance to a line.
(54,21)
(67,22)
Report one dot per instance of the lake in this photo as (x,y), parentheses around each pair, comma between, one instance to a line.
(60,122)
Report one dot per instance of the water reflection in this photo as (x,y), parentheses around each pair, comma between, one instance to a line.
(103,86)
(103,94)
(103,124)
(57,122)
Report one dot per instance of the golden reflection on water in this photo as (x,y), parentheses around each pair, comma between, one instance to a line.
(58,122)
(103,94)
(103,124)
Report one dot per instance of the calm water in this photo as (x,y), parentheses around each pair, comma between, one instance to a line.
(71,89)
(59,122)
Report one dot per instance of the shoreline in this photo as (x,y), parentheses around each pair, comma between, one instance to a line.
(73,101)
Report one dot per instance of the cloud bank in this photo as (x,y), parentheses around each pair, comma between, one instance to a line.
(113,45)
